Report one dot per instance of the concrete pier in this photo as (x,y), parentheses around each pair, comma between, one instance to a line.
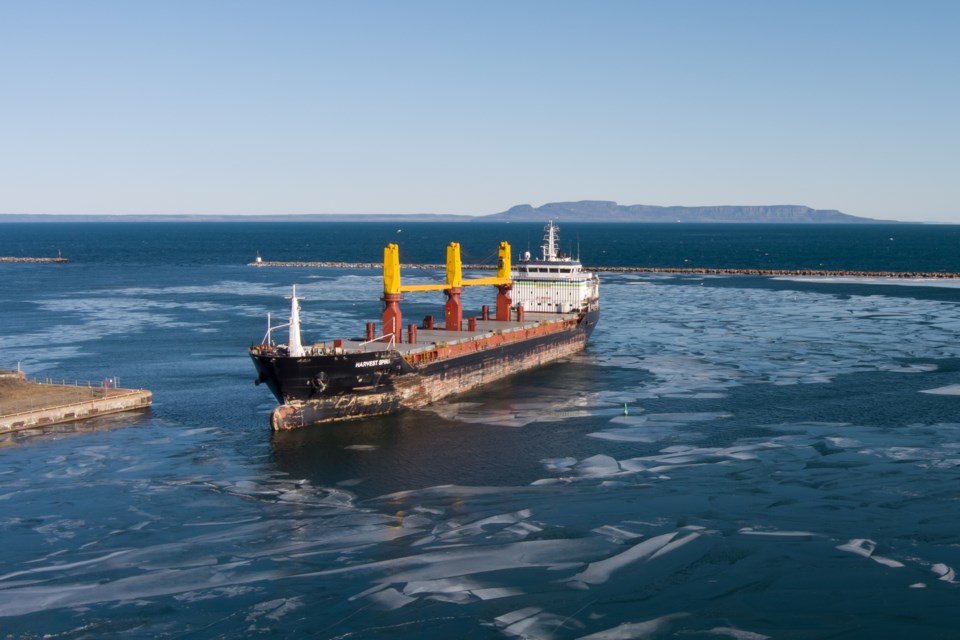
(29,405)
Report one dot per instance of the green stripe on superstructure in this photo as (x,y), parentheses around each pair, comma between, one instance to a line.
(549,283)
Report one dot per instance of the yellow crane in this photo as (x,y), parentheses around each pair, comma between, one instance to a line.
(392,288)
(391,271)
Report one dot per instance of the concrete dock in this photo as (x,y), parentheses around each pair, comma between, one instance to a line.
(29,405)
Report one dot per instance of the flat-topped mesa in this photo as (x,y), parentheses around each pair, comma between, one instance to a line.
(344,379)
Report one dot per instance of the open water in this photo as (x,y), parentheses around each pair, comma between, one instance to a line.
(731,457)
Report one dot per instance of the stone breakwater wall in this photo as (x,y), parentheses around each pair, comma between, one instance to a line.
(20,259)
(915,275)
(783,272)
(361,265)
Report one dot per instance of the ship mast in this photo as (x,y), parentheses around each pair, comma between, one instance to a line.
(550,248)
(294,347)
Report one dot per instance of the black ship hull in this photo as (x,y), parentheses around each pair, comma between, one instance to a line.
(316,389)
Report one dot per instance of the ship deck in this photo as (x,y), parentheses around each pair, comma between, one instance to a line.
(429,339)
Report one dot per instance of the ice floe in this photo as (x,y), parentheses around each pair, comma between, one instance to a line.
(864,547)
(750,531)
(949,390)
(787,338)
(736,634)
(637,630)
(944,572)
(601,571)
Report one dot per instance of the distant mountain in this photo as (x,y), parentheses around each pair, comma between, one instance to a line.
(606,211)
(583,211)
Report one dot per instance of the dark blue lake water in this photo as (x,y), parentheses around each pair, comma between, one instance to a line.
(731,457)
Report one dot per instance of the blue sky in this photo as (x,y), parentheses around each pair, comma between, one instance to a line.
(472,107)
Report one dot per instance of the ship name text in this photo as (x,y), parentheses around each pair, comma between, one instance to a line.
(373,363)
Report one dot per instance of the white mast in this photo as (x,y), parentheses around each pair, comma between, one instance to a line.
(550,248)
(293,346)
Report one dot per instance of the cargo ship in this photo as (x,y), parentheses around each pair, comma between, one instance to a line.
(545,309)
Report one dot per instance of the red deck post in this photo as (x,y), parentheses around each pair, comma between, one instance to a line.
(411,333)
(392,317)
(453,313)
(504,301)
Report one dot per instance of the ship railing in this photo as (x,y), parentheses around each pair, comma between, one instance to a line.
(392,342)
(268,338)
(113,382)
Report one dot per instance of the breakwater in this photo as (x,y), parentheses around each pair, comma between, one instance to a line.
(28,259)
(824,273)
(363,265)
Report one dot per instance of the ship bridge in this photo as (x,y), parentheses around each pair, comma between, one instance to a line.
(554,283)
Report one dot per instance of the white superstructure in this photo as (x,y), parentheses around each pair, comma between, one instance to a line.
(554,283)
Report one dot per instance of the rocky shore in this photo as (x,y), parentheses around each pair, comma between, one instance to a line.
(826,273)
(362,265)
(912,275)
